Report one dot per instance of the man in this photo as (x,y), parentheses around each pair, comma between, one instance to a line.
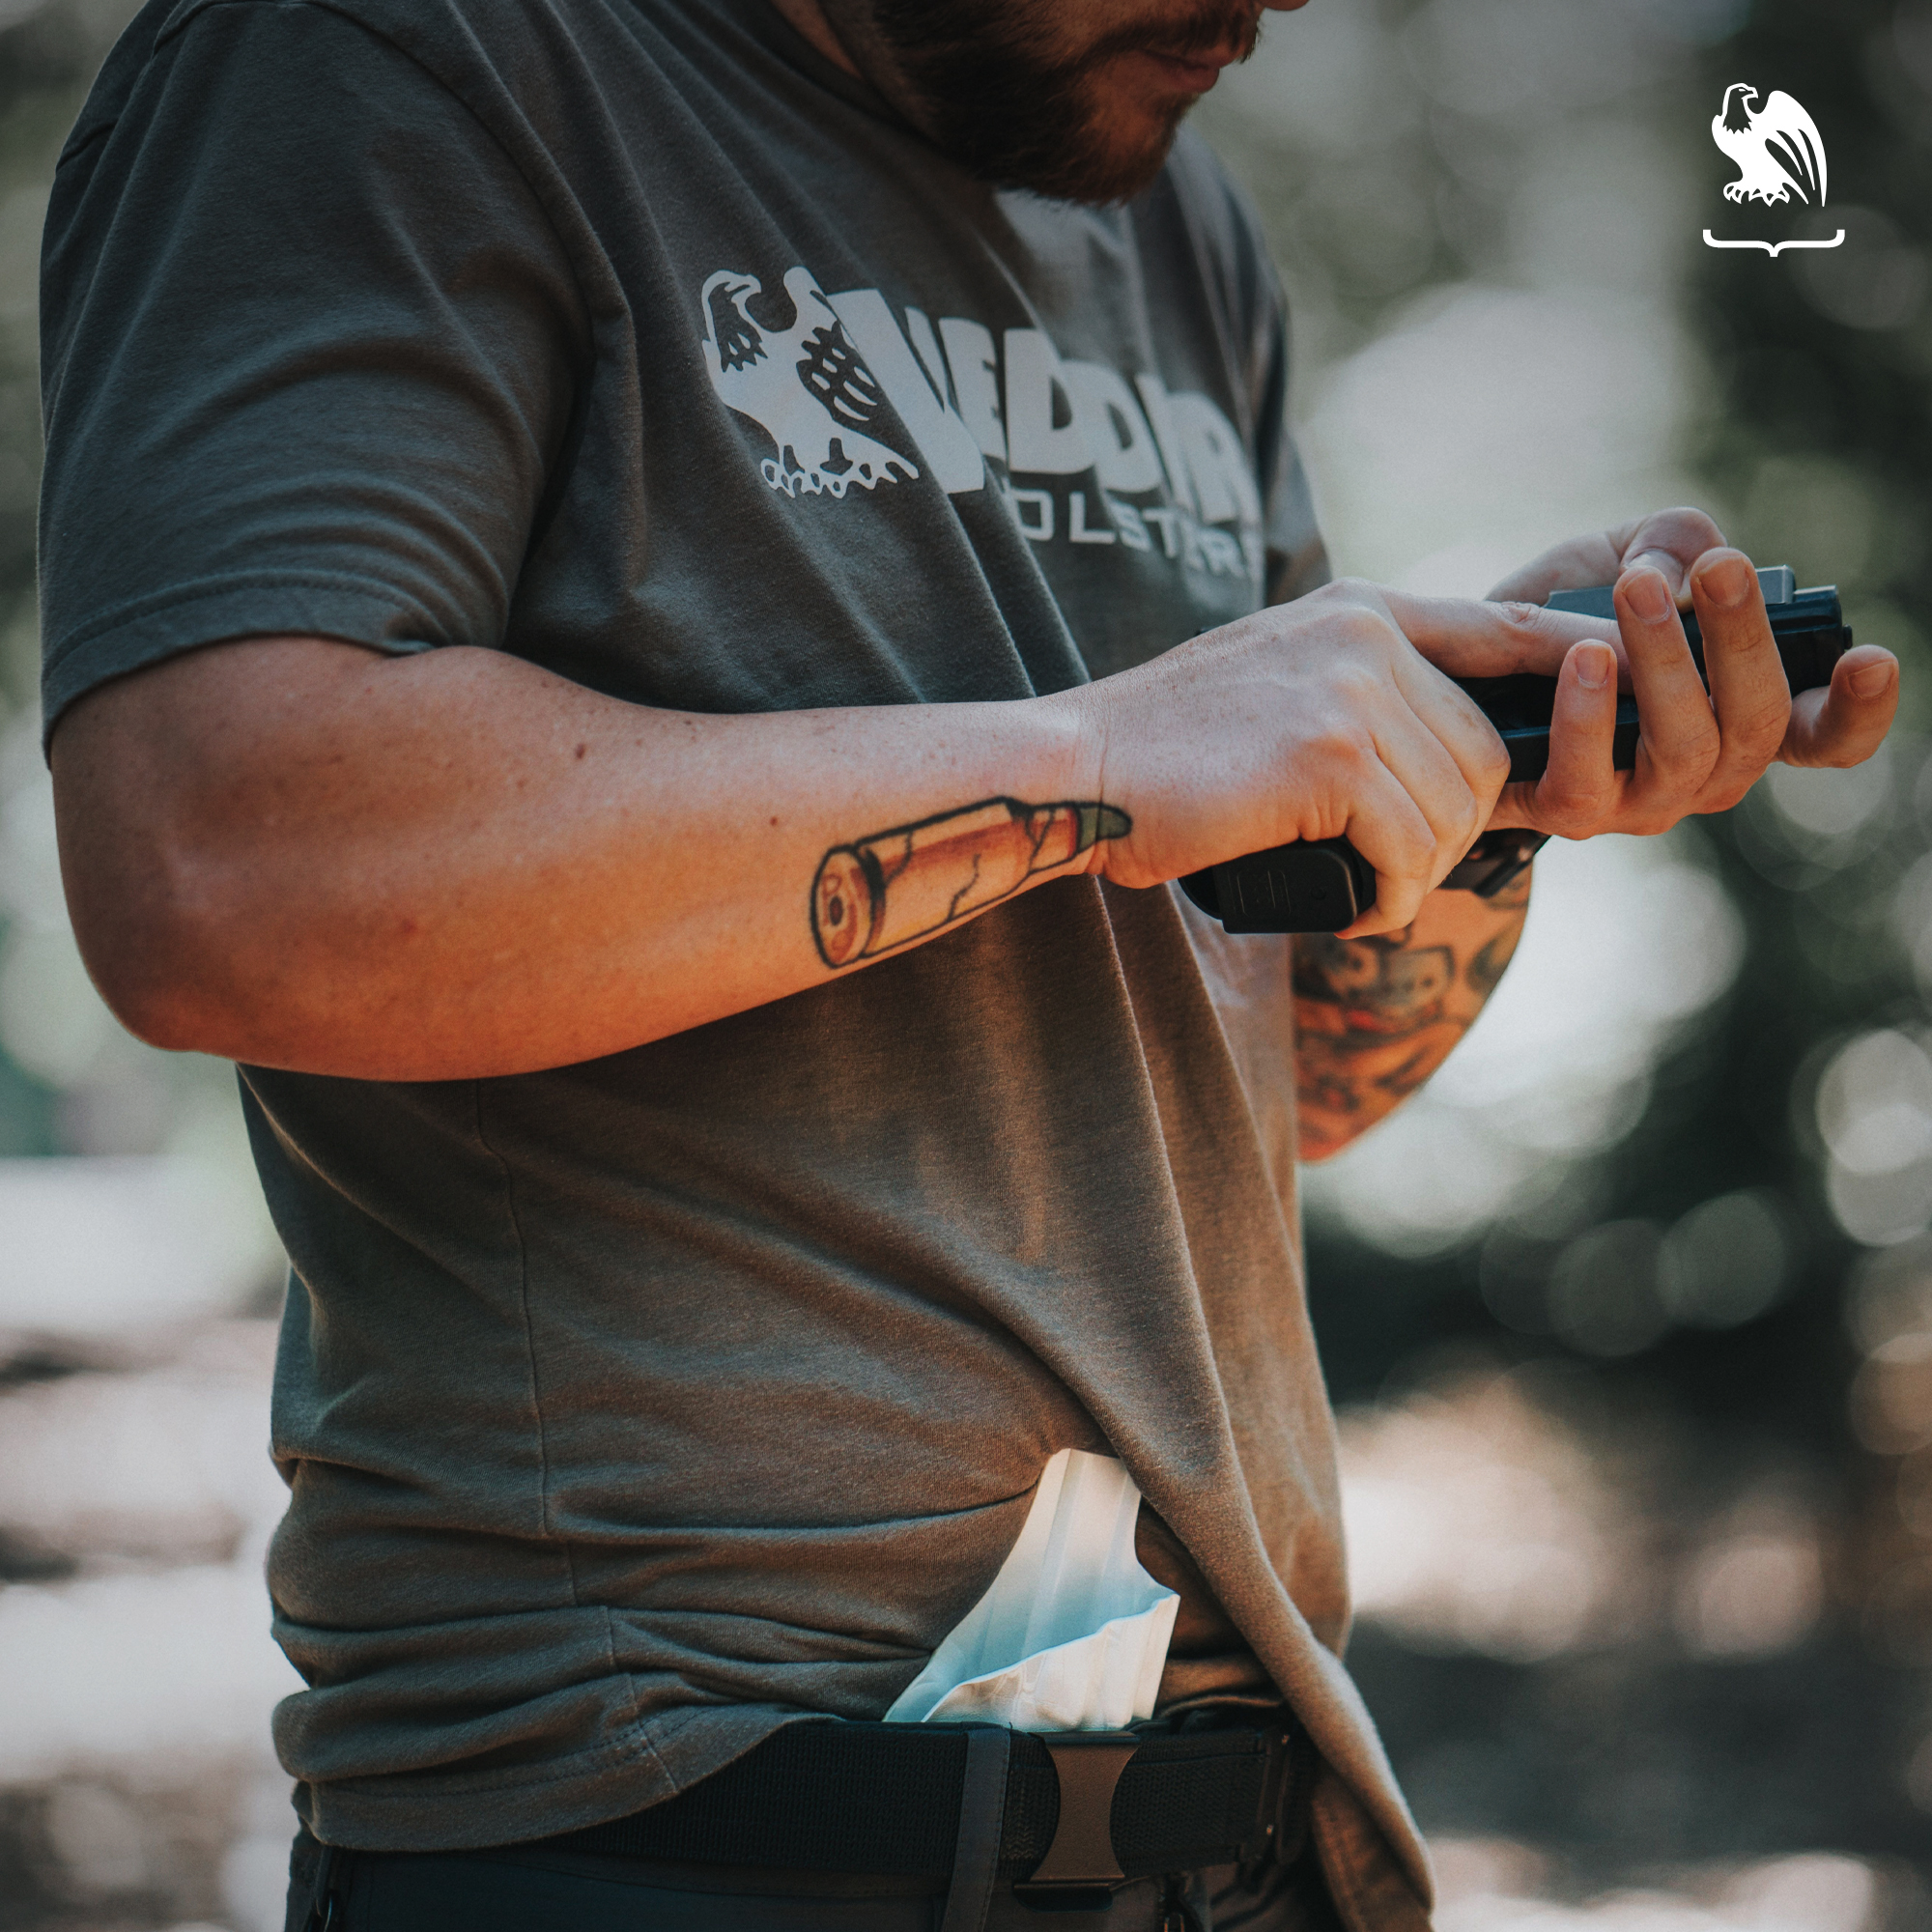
(641,598)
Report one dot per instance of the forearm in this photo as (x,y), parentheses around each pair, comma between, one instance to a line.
(306,855)
(1376,1017)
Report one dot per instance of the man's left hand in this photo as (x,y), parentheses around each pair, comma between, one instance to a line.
(1699,752)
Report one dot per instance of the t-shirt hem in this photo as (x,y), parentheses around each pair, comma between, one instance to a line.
(476,1811)
(263,607)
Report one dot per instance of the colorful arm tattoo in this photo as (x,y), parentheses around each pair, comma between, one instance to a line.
(1376,1017)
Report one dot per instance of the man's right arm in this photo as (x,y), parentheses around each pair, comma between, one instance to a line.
(302,853)
(456,863)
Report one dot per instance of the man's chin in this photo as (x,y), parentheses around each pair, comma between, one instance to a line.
(1128,157)
(1101,137)
(1135,106)
(1097,178)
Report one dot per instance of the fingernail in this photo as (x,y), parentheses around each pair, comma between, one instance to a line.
(1729,584)
(1596,665)
(1870,680)
(1648,596)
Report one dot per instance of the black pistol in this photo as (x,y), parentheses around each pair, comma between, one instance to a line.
(1324,885)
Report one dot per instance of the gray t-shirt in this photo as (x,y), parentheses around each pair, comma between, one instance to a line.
(632,1409)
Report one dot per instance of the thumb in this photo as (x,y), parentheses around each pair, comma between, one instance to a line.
(1669,542)
(1668,566)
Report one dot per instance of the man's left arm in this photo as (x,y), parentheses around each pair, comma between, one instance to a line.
(1376,1017)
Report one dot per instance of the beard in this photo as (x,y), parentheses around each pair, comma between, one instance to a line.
(1017,110)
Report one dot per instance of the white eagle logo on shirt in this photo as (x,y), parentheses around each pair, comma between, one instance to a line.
(806,386)
(1778,148)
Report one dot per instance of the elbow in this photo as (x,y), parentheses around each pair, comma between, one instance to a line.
(158,1008)
(153,951)
(163,878)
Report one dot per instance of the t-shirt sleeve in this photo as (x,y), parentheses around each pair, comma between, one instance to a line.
(309,348)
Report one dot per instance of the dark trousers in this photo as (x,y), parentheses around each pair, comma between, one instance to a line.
(537,1890)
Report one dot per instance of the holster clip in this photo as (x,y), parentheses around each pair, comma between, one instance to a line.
(1080,1871)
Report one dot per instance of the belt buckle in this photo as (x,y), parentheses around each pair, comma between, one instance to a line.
(1080,1871)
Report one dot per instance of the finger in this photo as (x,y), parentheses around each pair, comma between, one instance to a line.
(1390,830)
(1580,788)
(1459,726)
(1680,739)
(1516,808)
(1467,638)
(1748,690)
(1843,723)
(1428,768)
(1669,542)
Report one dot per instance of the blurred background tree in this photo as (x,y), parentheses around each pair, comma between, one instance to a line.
(1628,1316)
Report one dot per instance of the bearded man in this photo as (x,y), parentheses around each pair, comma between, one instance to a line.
(642,598)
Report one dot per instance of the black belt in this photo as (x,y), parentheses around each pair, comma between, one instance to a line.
(1084,1809)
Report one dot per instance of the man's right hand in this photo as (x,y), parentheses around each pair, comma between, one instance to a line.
(1334,715)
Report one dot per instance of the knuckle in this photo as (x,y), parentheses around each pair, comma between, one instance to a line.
(1343,745)
(1360,685)
(1492,763)
(1689,759)
(1685,523)
(1721,797)
(1404,904)
(1652,824)
(1347,632)
(1344,590)
(1763,722)
(1409,850)
(1366,629)
(1587,795)
(1661,803)
(1567,806)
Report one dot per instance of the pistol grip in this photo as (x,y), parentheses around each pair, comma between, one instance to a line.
(1323,886)
(1320,886)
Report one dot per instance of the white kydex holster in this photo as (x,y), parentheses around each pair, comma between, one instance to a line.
(1073,1632)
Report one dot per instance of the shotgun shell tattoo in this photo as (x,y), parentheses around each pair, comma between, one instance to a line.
(898,886)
